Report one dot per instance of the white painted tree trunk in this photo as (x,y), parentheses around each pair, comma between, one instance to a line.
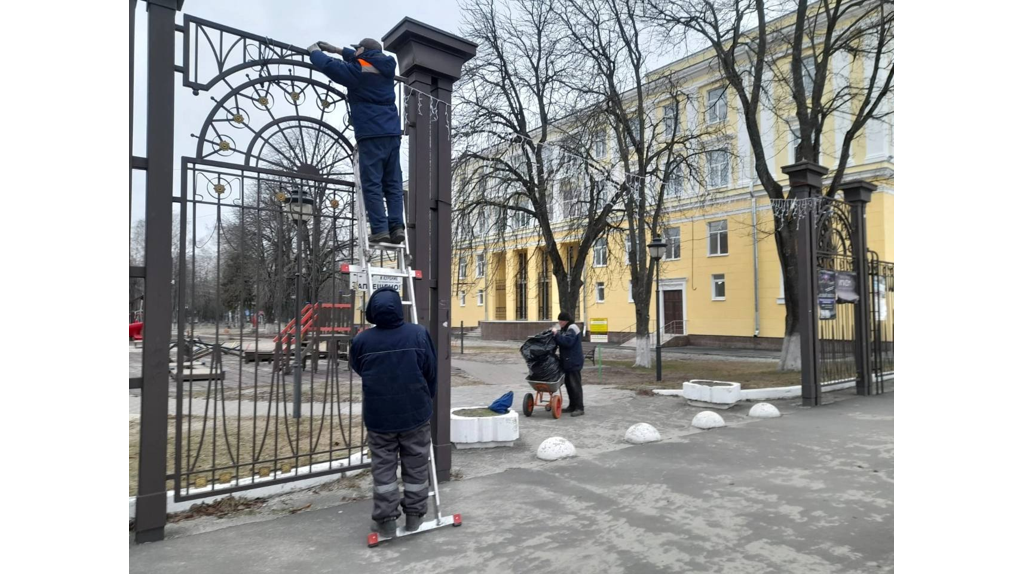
(643,351)
(790,360)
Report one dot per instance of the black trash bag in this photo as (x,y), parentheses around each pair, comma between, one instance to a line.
(538,346)
(548,369)
(539,353)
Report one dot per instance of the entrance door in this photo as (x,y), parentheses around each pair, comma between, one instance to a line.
(673,301)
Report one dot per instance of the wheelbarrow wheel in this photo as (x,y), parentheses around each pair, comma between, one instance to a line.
(528,404)
(556,406)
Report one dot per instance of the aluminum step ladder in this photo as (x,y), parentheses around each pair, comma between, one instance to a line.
(368,278)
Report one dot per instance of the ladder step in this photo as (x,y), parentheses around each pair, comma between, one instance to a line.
(406,302)
(382,271)
(387,246)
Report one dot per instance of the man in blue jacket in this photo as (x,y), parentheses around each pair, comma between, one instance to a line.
(369,75)
(398,365)
(570,350)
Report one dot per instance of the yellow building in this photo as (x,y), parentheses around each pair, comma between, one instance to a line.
(708,281)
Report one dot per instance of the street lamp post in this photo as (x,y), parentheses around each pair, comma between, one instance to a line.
(657,251)
(300,207)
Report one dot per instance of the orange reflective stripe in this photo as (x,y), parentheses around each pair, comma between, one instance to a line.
(365,63)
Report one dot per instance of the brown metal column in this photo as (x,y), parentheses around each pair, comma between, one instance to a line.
(805,182)
(858,193)
(432,61)
(151,500)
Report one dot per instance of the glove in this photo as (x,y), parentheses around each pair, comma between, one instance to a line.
(315,48)
(327,47)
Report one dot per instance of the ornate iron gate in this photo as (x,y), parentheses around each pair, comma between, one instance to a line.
(263,316)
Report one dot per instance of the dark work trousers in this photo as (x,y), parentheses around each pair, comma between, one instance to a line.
(413,448)
(574,386)
(380,175)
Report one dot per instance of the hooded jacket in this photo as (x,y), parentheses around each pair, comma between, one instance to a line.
(370,79)
(570,348)
(398,365)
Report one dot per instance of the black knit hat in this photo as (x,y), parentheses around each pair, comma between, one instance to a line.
(566,316)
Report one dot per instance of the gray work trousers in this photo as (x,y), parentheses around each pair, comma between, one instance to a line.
(413,448)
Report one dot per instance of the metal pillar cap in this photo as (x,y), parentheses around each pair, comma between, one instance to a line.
(439,52)
(857,190)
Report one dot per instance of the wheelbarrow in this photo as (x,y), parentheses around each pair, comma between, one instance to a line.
(548,389)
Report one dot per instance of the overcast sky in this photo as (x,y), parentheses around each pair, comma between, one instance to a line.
(298,22)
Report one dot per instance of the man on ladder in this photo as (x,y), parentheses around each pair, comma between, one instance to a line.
(398,365)
(369,75)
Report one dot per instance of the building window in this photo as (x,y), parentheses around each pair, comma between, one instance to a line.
(634,127)
(462,298)
(782,287)
(544,283)
(601,253)
(600,291)
(718,111)
(481,265)
(669,120)
(601,144)
(808,65)
(572,200)
(629,293)
(676,181)
(480,298)
(521,280)
(672,239)
(462,268)
(718,238)
(718,169)
(718,287)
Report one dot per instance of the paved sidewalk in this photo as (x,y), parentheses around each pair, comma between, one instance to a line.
(810,492)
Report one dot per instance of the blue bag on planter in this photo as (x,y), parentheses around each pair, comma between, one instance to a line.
(502,405)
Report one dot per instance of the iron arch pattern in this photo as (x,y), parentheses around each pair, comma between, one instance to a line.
(263,313)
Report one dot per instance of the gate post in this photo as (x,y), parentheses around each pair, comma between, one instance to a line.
(151,497)
(432,61)
(805,183)
(858,193)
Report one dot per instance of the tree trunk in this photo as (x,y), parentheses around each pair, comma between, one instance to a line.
(643,351)
(785,239)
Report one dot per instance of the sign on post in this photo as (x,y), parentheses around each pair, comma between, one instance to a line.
(826,294)
(598,330)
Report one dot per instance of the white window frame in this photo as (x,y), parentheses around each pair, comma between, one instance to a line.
(714,237)
(678,244)
(601,144)
(717,110)
(670,110)
(462,268)
(782,287)
(479,297)
(601,247)
(629,292)
(721,178)
(714,281)
(676,185)
(462,298)
(599,292)
(481,265)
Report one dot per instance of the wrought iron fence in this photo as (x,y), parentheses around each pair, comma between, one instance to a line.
(882,323)
(836,320)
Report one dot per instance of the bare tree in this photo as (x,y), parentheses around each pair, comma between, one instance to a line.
(654,153)
(526,162)
(800,43)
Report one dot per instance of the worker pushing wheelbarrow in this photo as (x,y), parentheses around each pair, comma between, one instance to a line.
(545,374)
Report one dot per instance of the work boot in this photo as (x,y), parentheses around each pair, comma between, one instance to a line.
(398,235)
(381,237)
(570,409)
(386,528)
(577,413)
(412,522)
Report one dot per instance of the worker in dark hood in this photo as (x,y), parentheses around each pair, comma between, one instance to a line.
(398,365)
(369,75)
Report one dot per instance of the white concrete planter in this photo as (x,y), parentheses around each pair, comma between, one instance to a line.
(713,394)
(484,432)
